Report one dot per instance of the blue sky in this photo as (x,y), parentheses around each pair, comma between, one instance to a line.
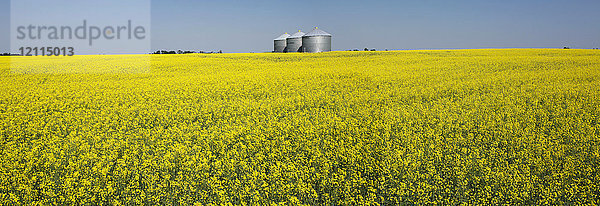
(250,26)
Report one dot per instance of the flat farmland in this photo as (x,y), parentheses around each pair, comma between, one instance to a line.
(503,126)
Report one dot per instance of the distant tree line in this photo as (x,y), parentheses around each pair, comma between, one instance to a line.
(220,51)
(570,48)
(185,52)
(156,52)
(366,49)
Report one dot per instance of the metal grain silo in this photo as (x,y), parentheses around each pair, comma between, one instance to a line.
(280,43)
(316,41)
(294,42)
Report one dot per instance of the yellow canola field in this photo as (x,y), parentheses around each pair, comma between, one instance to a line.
(508,126)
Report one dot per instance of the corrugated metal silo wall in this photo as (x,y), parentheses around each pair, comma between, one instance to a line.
(316,44)
(293,44)
(279,45)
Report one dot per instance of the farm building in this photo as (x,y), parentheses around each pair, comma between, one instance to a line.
(315,41)
(294,42)
(280,43)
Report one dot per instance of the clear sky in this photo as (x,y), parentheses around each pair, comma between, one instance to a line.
(250,26)
(4,26)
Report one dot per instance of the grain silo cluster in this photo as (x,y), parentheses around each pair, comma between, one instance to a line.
(315,41)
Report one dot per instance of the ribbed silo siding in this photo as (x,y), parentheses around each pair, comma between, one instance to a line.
(279,45)
(294,44)
(315,44)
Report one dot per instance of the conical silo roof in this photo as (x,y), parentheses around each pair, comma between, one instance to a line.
(317,32)
(298,34)
(283,37)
